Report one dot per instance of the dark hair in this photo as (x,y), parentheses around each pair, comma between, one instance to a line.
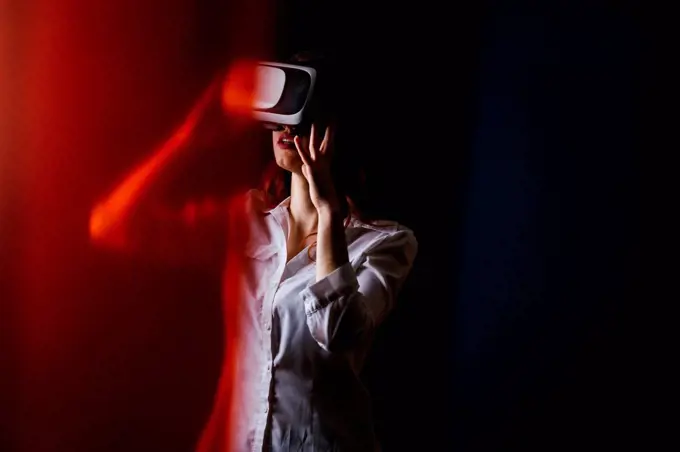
(326,98)
(348,174)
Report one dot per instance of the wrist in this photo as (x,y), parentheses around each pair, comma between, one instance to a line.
(328,205)
(329,213)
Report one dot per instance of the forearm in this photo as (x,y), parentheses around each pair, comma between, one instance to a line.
(347,304)
(112,216)
(331,252)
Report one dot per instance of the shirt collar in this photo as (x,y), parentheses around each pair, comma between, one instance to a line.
(284,203)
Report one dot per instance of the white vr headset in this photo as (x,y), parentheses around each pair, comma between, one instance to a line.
(284,93)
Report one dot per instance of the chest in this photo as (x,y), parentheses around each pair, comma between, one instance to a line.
(274,255)
(297,242)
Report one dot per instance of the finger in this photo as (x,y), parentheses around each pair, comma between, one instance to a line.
(312,142)
(306,172)
(299,145)
(327,137)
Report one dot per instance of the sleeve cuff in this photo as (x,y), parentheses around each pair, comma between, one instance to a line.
(340,283)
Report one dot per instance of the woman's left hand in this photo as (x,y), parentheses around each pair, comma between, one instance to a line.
(316,168)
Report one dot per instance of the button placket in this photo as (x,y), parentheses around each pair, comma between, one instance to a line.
(268,316)
(267,380)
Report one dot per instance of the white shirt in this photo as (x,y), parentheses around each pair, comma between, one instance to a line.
(294,345)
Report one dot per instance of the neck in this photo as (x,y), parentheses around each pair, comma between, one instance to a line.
(302,210)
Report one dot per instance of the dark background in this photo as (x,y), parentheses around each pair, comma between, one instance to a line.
(511,152)
(503,133)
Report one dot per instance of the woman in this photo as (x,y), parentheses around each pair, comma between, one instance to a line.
(314,282)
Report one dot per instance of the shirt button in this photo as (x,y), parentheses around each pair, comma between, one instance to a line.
(269,367)
(266,409)
(268,326)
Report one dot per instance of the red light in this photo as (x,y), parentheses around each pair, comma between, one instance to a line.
(238,91)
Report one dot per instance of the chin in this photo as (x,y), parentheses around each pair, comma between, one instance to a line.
(287,158)
(289,163)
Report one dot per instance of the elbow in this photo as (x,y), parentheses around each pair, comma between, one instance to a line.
(101,230)
(348,339)
(348,329)
(96,229)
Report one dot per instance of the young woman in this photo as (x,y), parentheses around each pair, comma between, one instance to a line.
(314,280)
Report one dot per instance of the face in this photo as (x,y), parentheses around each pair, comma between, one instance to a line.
(285,152)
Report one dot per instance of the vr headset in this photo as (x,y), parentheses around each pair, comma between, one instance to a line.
(286,95)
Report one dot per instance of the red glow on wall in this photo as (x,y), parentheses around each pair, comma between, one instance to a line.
(239,88)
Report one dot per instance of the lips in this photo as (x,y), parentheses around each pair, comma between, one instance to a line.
(286,141)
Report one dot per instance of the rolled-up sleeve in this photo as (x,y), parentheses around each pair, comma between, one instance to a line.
(346,305)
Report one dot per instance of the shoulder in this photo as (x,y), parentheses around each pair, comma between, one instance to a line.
(382,228)
(247,202)
(381,236)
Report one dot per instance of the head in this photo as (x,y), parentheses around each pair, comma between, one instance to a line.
(346,167)
(325,109)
